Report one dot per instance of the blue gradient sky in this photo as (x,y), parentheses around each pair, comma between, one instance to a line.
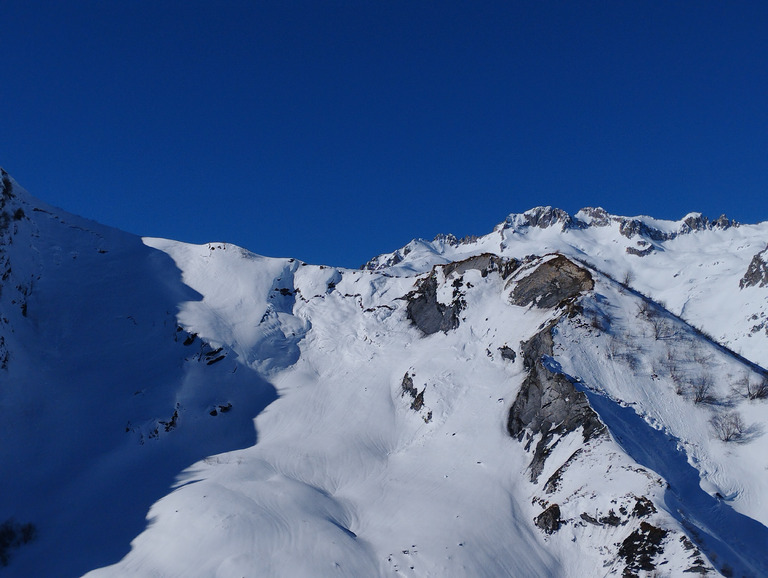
(332,131)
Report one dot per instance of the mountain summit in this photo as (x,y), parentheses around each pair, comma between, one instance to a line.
(568,395)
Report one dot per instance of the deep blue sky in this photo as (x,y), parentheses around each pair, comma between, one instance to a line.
(335,130)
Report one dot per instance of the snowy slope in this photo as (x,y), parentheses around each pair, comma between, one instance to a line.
(456,410)
(694,266)
(102,402)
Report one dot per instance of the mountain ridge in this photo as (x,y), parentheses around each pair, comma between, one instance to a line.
(521,403)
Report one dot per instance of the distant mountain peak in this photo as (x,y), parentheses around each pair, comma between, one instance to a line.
(542,382)
(542,218)
(647,232)
(546,216)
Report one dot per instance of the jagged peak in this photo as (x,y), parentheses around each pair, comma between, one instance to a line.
(647,231)
(655,229)
(594,216)
(542,217)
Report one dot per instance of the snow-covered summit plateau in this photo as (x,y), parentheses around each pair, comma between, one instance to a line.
(569,395)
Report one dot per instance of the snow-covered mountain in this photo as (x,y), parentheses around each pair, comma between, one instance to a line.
(569,395)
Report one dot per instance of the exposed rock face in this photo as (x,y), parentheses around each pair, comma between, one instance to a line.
(698,222)
(507,353)
(485,263)
(757,272)
(598,216)
(384,261)
(548,404)
(723,222)
(20,287)
(552,284)
(543,218)
(633,227)
(641,252)
(643,228)
(447,239)
(641,547)
(549,519)
(427,313)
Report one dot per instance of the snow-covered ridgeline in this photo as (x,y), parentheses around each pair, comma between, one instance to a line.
(383,403)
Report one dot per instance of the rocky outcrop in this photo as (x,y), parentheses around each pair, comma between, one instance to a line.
(641,547)
(644,252)
(723,222)
(698,222)
(507,353)
(598,217)
(549,519)
(554,283)
(548,404)
(643,228)
(446,239)
(757,272)
(417,397)
(427,313)
(543,218)
(485,263)
(635,227)
(387,260)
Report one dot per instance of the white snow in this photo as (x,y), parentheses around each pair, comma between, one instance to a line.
(199,410)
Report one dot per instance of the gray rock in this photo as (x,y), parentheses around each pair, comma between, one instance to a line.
(485,263)
(545,217)
(641,252)
(549,404)
(600,217)
(641,547)
(723,222)
(697,222)
(633,227)
(431,316)
(427,313)
(552,284)
(507,353)
(757,272)
(549,519)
